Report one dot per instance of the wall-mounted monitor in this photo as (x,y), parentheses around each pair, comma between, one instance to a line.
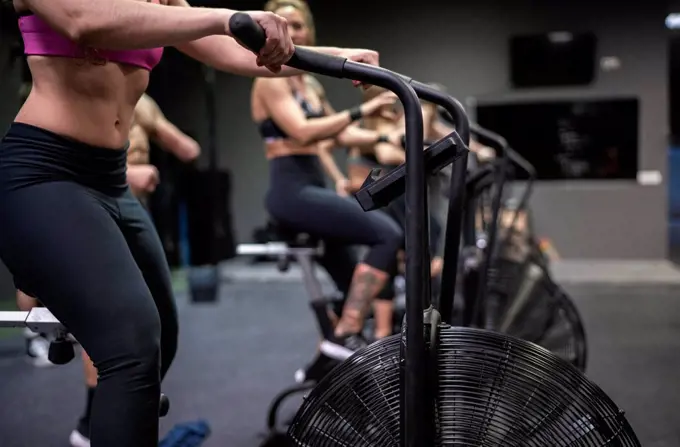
(553,59)
(570,139)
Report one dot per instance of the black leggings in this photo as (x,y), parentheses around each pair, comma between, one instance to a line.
(72,235)
(298,199)
(397,210)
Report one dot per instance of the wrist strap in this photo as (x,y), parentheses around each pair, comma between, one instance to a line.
(383,139)
(355,113)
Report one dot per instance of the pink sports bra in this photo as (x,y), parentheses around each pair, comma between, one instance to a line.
(41,40)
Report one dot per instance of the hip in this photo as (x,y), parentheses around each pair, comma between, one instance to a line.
(31,155)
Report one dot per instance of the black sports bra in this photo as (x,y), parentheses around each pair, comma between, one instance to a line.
(269,130)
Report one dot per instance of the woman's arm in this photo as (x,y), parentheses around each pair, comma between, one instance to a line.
(356,172)
(331,167)
(128,24)
(328,162)
(390,153)
(359,137)
(289,116)
(142,178)
(163,132)
(225,54)
(353,135)
(439,130)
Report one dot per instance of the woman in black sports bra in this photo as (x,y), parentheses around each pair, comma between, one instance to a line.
(296,121)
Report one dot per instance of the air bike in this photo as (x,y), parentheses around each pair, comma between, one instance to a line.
(506,284)
(435,384)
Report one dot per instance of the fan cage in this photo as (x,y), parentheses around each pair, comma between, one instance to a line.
(491,390)
(524,301)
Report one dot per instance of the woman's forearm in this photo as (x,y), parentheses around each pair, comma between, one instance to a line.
(322,128)
(332,51)
(225,54)
(357,137)
(328,162)
(389,155)
(129,24)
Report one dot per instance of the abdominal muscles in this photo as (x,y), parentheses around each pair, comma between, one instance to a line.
(87,101)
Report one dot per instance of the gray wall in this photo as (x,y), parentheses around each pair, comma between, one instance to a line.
(465,48)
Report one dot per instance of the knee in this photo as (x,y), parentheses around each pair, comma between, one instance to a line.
(131,350)
(166,312)
(390,239)
(393,237)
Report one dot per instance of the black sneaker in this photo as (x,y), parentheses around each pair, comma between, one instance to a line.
(341,348)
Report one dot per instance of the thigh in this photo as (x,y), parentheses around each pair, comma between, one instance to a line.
(63,245)
(147,250)
(324,214)
(397,211)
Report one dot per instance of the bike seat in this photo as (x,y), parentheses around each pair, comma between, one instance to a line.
(292,237)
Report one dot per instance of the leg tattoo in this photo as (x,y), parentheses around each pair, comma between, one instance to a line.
(366,284)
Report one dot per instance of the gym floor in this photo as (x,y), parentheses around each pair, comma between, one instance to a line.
(235,355)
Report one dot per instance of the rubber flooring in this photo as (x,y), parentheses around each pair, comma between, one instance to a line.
(235,355)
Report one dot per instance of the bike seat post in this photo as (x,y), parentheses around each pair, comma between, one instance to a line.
(306,258)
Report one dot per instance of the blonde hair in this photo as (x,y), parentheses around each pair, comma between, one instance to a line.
(302,7)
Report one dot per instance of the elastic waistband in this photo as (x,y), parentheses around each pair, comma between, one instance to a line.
(28,151)
(23,130)
(295,170)
(362,160)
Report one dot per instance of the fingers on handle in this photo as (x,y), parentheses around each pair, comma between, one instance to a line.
(270,44)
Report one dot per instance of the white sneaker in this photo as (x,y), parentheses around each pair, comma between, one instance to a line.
(78,440)
(29,334)
(38,350)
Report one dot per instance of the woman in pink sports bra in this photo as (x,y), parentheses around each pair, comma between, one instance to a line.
(72,234)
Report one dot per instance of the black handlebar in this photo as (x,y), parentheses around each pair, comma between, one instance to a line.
(515,158)
(246,30)
(505,148)
(414,414)
(499,143)
(449,103)
(522,162)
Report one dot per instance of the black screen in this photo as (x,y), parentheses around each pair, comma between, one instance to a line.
(552,59)
(595,139)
